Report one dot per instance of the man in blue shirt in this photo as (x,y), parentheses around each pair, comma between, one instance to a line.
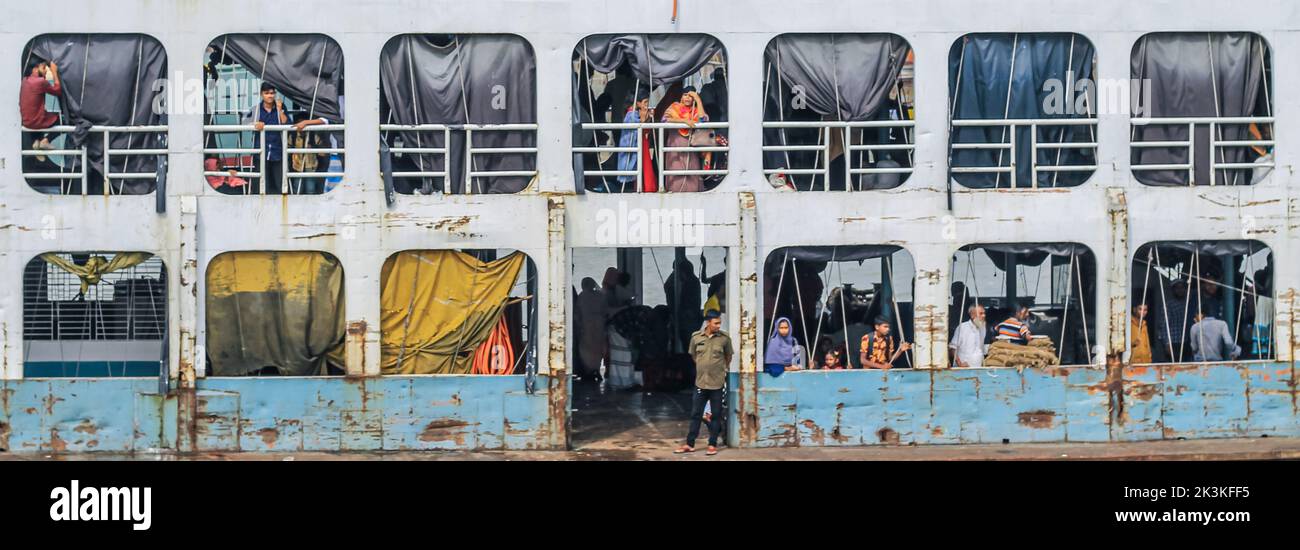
(271,112)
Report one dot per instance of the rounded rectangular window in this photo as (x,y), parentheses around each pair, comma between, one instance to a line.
(838,108)
(854,301)
(459,113)
(275,314)
(1198,301)
(1202,109)
(92,114)
(273,114)
(1023,110)
(94,314)
(458,312)
(1023,305)
(650,113)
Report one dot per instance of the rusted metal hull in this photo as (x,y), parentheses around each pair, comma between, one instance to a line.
(276,414)
(1075,404)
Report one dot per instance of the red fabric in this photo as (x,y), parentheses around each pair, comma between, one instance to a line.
(648,182)
(31,102)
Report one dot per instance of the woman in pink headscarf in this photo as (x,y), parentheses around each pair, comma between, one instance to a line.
(217,182)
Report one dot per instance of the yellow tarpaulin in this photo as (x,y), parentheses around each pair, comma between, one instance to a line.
(437,306)
(274,309)
(97,266)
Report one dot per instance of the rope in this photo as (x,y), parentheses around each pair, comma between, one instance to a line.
(817,335)
(1193,279)
(844,317)
(1006,110)
(1214,83)
(130,136)
(839,117)
(415,110)
(803,320)
(1083,311)
(1065,315)
(464,103)
(1146,285)
(585,67)
(1250,263)
(780,99)
(410,310)
(1164,304)
(1069,65)
(898,314)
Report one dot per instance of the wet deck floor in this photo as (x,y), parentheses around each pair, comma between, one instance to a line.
(606,419)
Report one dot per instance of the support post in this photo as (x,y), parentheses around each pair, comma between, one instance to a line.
(746,267)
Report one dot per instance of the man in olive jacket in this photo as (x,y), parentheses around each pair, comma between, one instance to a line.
(711,349)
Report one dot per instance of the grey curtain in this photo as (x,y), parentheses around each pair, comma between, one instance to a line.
(108,80)
(462,79)
(658,58)
(983,63)
(307,68)
(1198,75)
(839,77)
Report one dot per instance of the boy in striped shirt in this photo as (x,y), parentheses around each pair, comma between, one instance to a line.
(1015,329)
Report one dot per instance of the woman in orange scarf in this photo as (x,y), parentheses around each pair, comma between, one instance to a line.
(690,111)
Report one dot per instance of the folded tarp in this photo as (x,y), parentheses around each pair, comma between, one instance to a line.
(1030,253)
(438,306)
(818,256)
(841,77)
(1212,248)
(660,59)
(97,265)
(1198,75)
(463,79)
(274,309)
(307,68)
(110,80)
(991,89)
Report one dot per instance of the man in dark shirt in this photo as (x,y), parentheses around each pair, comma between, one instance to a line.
(711,349)
(270,111)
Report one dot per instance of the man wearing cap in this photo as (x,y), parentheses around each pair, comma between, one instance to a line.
(711,349)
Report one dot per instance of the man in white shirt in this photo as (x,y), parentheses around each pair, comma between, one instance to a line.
(968,343)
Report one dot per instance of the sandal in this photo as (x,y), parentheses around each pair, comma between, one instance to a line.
(712,451)
(687,449)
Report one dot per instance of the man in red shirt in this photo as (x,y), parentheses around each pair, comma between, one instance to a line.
(42,79)
(31,104)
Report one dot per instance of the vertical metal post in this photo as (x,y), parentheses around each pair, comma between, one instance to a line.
(637,165)
(1012,164)
(469,161)
(262,155)
(1033,154)
(85,173)
(848,159)
(284,162)
(446,161)
(107,186)
(1191,153)
(1214,146)
(826,156)
(660,173)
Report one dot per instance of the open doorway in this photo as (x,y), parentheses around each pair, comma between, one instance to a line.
(634,310)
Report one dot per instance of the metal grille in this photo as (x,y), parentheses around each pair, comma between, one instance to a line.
(130,304)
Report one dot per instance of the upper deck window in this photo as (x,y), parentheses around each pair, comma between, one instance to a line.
(1195,301)
(94,314)
(1022,114)
(837,108)
(650,112)
(1202,109)
(273,118)
(854,303)
(1023,305)
(473,100)
(92,114)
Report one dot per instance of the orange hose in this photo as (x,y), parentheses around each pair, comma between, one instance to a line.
(495,355)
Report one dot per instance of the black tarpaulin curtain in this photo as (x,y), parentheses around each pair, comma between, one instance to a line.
(109,80)
(1211,248)
(660,59)
(1028,253)
(1197,75)
(292,63)
(842,76)
(983,65)
(462,79)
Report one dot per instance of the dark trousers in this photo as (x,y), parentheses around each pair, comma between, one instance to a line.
(714,399)
(273,173)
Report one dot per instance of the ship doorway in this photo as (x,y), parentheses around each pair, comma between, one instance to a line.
(634,310)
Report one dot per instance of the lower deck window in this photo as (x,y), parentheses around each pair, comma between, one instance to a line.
(275,313)
(458,312)
(94,314)
(1195,301)
(855,302)
(1023,305)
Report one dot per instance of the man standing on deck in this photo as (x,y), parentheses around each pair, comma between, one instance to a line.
(711,349)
